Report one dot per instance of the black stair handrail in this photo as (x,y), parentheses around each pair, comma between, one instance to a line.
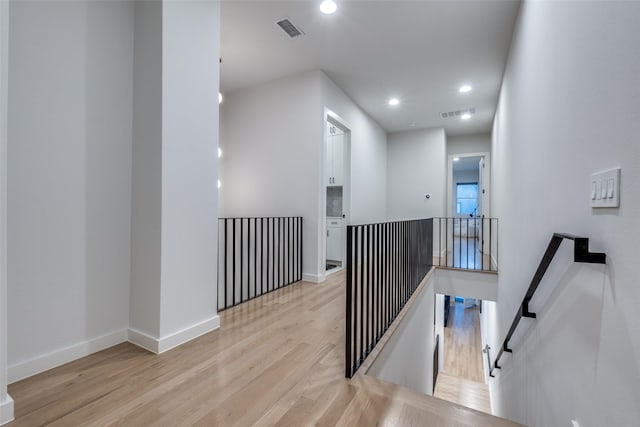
(580,254)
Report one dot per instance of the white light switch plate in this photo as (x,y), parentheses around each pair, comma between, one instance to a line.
(607,189)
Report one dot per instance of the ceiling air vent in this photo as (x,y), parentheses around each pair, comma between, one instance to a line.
(288,27)
(454,114)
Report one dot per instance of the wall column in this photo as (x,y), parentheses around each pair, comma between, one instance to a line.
(175,140)
(6,403)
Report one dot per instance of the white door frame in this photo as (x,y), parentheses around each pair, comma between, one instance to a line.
(335,120)
(486,210)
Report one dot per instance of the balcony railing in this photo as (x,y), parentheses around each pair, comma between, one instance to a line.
(386,262)
(257,256)
(466,243)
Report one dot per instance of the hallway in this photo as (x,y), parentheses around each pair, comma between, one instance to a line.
(276,360)
(462,379)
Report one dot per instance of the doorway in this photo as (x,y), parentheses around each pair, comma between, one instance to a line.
(468,190)
(336,184)
(461,378)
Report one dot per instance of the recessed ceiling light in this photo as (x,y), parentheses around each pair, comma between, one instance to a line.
(455,159)
(219,98)
(394,101)
(465,89)
(328,7)
(465,116)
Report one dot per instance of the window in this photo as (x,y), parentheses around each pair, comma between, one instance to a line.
(467,198)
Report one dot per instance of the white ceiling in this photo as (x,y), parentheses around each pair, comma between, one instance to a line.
(419,51)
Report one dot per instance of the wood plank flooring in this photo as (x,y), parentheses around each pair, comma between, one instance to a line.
(462,379)
(276,360)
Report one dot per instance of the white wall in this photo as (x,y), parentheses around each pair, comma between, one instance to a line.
(6,403)
(272,156)
(69,180)
(407,358)
(469,284)
(272,139)
(569,107)
(416,165)
(465,144)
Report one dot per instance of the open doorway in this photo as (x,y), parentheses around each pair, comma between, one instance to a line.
(468,190)
(336,183)
(461,378)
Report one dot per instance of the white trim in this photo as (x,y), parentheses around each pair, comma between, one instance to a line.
(160,345)
(6,410)
(333,270)
(313,278)
(143,340)
(56,358)
(487,185)
(187,334)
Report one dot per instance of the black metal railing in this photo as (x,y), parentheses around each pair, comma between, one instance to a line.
(386,262)
(257,256)
(580,254)
(467,243)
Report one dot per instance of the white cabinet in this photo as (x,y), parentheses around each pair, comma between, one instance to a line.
(335,160)
(335,238)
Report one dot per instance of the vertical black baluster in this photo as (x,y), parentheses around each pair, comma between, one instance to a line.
(369,287)
(356,287)
(261,256)
(268,247)
(233,262)
(482,254)
(279,258)
(362,288)
(379,286)
(241,284)
(255,257)
(226,252)
(289,246)
(396,269)
(349,312)
(300,223)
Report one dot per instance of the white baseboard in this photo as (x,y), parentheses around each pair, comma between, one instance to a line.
(143,340)
(55,358)
(313,278)
(6,410)
(160,345)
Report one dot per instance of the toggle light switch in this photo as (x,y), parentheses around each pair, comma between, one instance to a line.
(593,190)
(610,186)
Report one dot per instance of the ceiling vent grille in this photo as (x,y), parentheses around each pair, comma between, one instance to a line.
(288,27)
(457,114)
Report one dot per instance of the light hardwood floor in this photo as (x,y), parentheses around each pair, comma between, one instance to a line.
(276,360)
(462,379)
